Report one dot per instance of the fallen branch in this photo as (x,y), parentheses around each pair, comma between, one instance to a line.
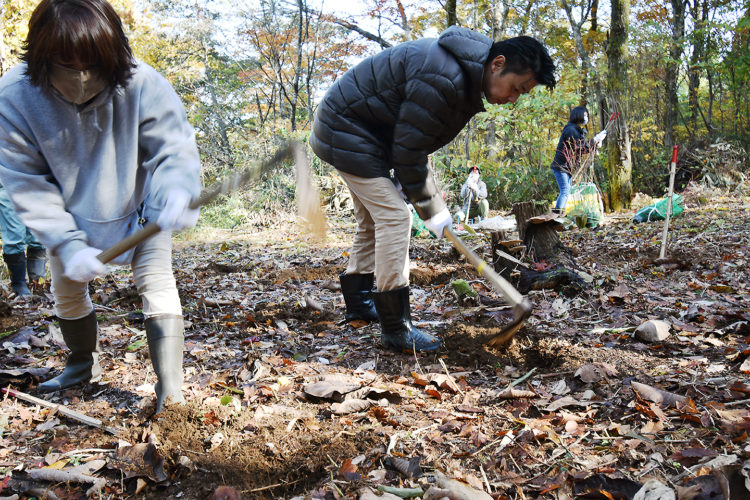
(71,414)
(64,476)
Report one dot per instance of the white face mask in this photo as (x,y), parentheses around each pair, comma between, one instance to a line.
(585,118)
(473,177)
(76,86)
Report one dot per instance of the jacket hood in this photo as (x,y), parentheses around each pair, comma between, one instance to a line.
(470,50)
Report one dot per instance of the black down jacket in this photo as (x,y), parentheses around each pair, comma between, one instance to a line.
(396,107)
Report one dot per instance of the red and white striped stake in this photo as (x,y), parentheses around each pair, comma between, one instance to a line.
(672,168)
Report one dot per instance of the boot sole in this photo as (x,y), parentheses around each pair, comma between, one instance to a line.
(408,350)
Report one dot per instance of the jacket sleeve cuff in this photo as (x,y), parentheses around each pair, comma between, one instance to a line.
(429,207)
(69,249)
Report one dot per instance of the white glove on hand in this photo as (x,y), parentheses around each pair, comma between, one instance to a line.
(176,215)
(83,266)
(599,138)
(437,222)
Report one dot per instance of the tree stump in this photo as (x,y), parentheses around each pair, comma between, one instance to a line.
(556,268)
(539,236)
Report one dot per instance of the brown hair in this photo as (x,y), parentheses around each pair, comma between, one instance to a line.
(89,31)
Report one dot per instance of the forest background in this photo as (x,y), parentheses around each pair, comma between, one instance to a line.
(251,74)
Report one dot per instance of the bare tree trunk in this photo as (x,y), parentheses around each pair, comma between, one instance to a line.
(225,145)
(500,19)
(404,20)
(594,14)
(575,28)
(672,70)
(450,13)
(699,13)
(527,16)
(619,166)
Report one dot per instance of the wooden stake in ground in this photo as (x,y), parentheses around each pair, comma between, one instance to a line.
(672,168)
(468,207)
(62,410)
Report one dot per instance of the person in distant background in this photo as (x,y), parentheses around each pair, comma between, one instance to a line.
(474,196)
(570,148)
(22,252)
(93,145)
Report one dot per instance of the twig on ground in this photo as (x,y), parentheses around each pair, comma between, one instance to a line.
(519,380)
(64,476)
(450,376)
(71,414)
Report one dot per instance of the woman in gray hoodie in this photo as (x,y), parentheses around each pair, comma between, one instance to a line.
(93,144)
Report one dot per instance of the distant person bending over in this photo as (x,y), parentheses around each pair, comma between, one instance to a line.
(94,145)
(22,252)
(474,196)
(389,113)
(570,148)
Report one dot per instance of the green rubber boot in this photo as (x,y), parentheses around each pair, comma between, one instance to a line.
(166,341)
(82,364)
(16,263)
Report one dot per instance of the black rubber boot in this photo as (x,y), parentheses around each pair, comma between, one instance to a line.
(36,263)
(357,291)
(82,364)
(16,263)
(166,340)
(399,334)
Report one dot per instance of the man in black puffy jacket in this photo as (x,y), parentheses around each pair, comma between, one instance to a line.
(389,113)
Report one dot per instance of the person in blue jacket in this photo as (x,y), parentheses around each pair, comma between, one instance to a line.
(570,148)
(22,252)
(387,114)
(93,145)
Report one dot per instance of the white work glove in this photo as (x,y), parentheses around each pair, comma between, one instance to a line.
(83,266)
(176,215)
(599,138)
(437,222)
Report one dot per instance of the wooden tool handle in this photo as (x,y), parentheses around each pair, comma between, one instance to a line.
(131,241)
(508,291)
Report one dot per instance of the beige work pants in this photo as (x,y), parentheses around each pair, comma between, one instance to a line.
(381,243)
(152,274)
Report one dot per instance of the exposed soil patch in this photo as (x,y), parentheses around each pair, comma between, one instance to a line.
(256,453)
(299,274)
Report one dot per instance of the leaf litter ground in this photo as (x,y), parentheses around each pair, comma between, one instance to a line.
(284,399)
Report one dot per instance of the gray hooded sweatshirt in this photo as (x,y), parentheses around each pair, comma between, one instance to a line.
(91,175)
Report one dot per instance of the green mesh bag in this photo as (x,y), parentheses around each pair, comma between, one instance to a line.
(418,229)
(585,205)
(658,210)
